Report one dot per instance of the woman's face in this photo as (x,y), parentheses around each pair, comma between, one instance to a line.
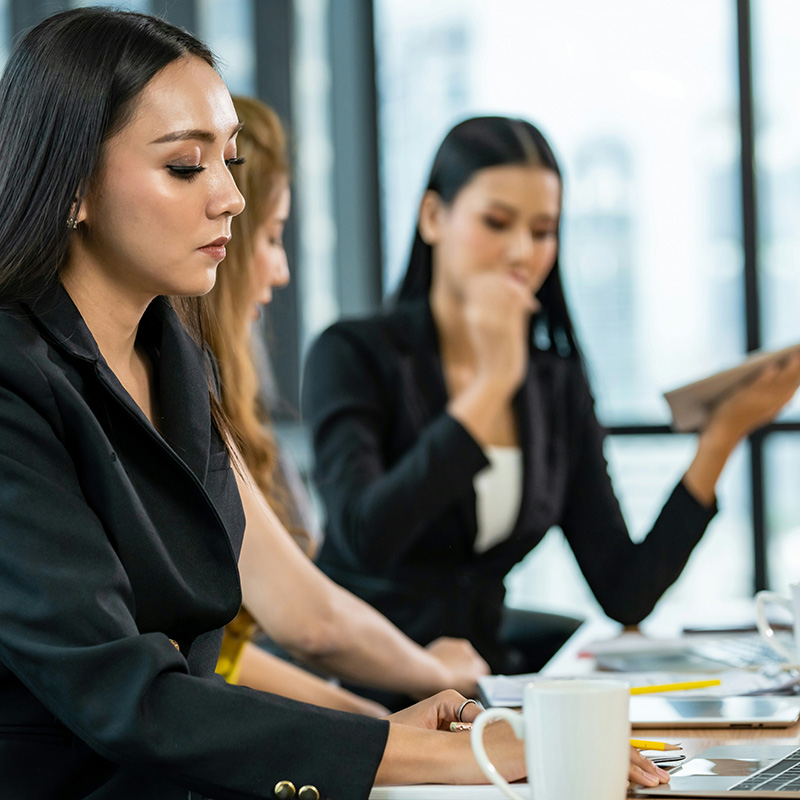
(505,219)
(157,215)
(270,269)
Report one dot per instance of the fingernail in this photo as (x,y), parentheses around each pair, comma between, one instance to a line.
(652,780)
(662,772)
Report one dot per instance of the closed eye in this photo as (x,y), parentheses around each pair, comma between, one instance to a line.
(185,172)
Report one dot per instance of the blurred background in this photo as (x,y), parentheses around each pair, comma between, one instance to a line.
(677,126)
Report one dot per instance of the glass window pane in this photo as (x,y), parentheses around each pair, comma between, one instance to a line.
(226,26)
(782,465)
(640,102)
(776,72)
(125,5)
(5,42)
(645,470)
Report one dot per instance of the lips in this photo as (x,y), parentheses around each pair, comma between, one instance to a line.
(215,249)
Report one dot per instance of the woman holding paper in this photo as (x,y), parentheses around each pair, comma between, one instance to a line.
(454,430)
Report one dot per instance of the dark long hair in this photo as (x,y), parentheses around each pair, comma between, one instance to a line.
(472,145)
(70,84)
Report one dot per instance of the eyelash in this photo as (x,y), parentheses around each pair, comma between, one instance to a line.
(497,225)
(190,173)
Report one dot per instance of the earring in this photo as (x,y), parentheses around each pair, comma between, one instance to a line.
(72,223)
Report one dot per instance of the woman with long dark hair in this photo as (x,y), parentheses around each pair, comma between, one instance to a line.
(454,430)
(120,518)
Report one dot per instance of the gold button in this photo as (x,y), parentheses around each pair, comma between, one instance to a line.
(284,790)
(308,792)
(177,646)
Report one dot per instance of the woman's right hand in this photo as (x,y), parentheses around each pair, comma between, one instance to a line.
(461,664)
(497,311)
(422,749)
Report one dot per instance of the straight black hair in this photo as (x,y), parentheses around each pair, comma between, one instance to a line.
(472,145)
(70,84)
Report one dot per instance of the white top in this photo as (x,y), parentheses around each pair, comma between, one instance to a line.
(498,493)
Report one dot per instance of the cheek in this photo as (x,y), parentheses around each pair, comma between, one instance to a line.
(261,267)
(476,243)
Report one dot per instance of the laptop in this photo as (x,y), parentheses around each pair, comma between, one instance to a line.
(737,770)
(652,711)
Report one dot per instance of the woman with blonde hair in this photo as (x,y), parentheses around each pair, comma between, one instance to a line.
(299,607)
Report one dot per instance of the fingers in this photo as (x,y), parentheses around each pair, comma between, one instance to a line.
(645,772)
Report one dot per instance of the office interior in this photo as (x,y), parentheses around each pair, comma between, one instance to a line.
(677,126)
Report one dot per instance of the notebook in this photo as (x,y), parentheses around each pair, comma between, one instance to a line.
(738,770)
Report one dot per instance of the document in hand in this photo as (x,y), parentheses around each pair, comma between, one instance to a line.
(691,404)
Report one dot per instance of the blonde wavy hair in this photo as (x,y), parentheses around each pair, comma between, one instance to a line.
(226,310)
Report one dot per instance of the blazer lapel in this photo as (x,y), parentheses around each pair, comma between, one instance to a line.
(421,360)
(185,412)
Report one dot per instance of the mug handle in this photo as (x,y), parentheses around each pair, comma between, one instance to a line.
(515,720)
(765,629)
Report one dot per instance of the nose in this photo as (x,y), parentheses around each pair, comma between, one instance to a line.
(279,273)
(225,198)
(521,246)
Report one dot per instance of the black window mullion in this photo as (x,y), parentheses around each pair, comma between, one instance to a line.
(751,294)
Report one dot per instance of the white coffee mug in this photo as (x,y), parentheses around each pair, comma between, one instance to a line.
(766,630)
(576,736)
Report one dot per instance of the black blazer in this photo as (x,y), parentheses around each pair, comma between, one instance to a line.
(114,540)
(395,473)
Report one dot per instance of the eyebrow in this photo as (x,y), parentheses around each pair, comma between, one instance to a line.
(194,134)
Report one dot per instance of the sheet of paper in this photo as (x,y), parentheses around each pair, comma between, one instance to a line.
(507,690)
(691,404)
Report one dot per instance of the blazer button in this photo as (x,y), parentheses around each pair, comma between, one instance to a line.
(176,645)
(284,790)
(308,792)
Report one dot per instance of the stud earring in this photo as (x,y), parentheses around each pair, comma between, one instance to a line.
(72,223)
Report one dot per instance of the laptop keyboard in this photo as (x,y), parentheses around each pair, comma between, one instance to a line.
(738,651)
(782,776)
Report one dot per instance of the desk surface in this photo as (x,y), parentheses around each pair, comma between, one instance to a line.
(569,661)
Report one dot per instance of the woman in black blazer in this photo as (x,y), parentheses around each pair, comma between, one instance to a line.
(120,520)
(477,361)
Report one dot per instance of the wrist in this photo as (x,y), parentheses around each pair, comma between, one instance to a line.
(477,407)
(719,440)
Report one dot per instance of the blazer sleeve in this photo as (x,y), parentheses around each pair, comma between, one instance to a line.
(69,634)
(378,510)
(627,578)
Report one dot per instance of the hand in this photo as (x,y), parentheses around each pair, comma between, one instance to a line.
(756,403)
(497,311)
(437,712)
(462,666)
(644,772)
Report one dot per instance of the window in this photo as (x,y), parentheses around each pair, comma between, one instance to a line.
(226,27)
(641,103)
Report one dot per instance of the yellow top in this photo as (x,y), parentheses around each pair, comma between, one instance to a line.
(238,632)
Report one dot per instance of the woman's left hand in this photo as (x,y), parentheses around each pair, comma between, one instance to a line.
(757,402)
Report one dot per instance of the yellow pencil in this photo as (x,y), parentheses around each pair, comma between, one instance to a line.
(643,744)
(674,687)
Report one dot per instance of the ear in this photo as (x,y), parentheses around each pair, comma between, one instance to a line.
(431,210)
(80,212)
